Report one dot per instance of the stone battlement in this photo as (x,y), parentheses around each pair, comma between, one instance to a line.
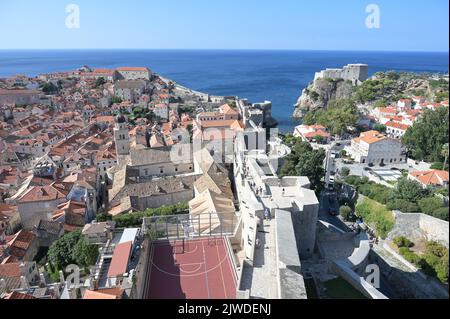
(356,73)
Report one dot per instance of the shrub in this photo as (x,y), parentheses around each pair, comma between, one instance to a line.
(436,249)
(345,171)
(135,219)
(441,213)
(402,241)
(410,256)
(403,206)
(103,217)
(345,212)
(376,215)
(442,272)
(430,204)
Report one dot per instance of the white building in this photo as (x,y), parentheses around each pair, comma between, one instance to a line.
(396,130)
(375,148)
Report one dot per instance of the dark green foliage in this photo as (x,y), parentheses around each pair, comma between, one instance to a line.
(116,99)
(403,206)
(441,213)
(135,219)
(379,127)
(345,171)
(434,261)
(338,117)
(103,217)
(427,136)
(409,190)
(377,216)
(49,88)
(345,212)
(402,241)
(305,161)
(373,89)
(429,205)
(100,82)
(72,248)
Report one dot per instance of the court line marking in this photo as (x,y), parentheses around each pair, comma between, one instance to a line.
(149,276)
(193,275)
(221,273)
(206,271)
(199,265)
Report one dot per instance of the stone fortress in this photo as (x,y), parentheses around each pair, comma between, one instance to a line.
(356,73)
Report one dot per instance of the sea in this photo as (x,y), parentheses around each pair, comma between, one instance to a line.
(277,76)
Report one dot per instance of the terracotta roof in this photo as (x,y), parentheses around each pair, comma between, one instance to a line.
(226,109)
(317,133)
(387,110)
(45,193)
(396,125)
(431,177)
(370,137)
(21,242)
(120,258)
(18,295)
(10,270)
(110,293)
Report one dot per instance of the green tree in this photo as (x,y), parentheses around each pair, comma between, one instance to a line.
(379,127)
(84,253)
(426,138)
(441,213)
(444,153)
(60,252)
(430,204)
(49,88)
(337,118)
(345,171)
(345,212)
(402,241)
(103,217)
(72,248)
(409,190)
(115,99)
(305,161)
(100,82)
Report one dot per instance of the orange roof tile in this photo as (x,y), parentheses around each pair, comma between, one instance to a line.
(120,258)
(431,177)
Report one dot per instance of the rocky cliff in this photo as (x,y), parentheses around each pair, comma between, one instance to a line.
(382,88)
(320,92)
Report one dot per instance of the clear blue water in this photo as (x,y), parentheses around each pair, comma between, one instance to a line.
(278,76)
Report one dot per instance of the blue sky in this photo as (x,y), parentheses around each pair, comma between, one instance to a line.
(405,25)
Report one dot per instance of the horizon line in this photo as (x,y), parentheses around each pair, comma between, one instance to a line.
(215,49)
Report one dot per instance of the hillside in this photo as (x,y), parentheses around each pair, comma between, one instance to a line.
(381,89)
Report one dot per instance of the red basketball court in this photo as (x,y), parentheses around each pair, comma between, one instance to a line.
(203,269)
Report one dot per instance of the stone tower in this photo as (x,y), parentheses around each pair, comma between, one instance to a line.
(122,136)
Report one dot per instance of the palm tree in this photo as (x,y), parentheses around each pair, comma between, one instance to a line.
(444,153)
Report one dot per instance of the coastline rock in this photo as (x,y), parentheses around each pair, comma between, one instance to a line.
(320,92)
